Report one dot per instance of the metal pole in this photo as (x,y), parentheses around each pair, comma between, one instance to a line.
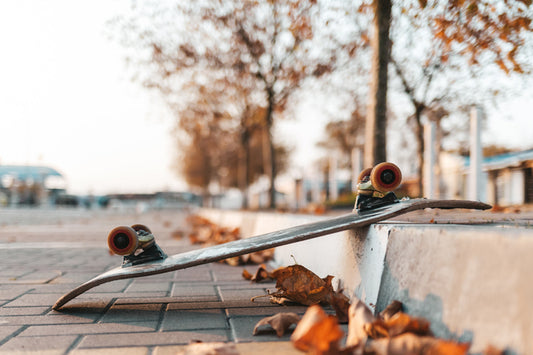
(429,160)
(476,155)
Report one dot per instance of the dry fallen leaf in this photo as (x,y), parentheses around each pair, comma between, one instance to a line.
(260,275)
(359,316)
(297,284)
(317,332)
(301,285)
(492,350)
(209,349)
(393,308)
(411,344)
(279,322)
(398,324)
(340,304)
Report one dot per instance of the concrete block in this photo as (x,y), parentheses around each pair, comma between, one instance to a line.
(472,282)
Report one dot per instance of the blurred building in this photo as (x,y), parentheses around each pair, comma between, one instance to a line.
(507,178)
(30,185)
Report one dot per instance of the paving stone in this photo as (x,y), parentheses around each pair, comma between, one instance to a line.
(34,299)
(23,311)
(241,294)
(112,351)
(194,319)
(9,292)
(151,286)
(121,295)
(160,300)
(185,305)
(115,286)
(57,342)
(152,339)
(132,313)
(191,290)
(37,277)
(264,311)
(83,329)
(77,277)
(242,330)
(46,319)
(6,331)
(196,274)
(225,272)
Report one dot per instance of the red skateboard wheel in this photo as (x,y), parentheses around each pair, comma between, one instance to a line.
(123,240)
(385,177)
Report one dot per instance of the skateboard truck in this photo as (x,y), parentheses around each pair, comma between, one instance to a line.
(375,186)
(136,244)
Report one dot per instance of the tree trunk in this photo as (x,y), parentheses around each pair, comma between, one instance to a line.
(419,132)
(244,166)
(376,120)
(270,158)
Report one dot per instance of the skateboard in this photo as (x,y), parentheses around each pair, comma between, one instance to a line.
(143,257)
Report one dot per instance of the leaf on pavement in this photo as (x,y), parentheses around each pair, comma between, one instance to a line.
(297,284)
(301,285)
(279,322)
(317,332)
(261,274)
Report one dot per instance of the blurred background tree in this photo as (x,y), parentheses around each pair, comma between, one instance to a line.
(266,49)
(231,69)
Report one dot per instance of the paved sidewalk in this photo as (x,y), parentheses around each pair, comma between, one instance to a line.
(148,315)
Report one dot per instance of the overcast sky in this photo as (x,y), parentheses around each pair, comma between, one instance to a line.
(66,101)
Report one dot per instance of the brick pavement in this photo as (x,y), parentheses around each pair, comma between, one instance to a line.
(149,315)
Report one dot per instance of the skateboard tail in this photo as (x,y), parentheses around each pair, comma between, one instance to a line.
(265,241)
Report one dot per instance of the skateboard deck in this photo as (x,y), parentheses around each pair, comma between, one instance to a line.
(266,241)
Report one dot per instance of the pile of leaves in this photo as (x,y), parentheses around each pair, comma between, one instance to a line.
(206,233)
(391,332)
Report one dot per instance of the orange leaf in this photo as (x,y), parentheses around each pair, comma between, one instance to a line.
(399,323)
(317,332)
(393,308)
(413,344)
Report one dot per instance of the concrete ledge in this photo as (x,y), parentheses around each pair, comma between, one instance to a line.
(473,282)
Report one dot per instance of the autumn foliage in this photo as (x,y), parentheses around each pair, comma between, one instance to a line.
(206,233)
(391,332)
